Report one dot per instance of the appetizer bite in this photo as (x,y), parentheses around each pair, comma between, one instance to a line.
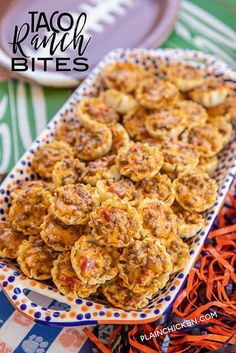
(93,263)
(195,191)
(67,171)
(28,210)
(10,240)
(123,189)
(120,137)
(68,130)
(211,93)
(122,297)
(72,204)
(158,219)
(123,76)
(188,223)
(206,139)
(225,130)
(36,258)
(66,280)
(166,124)
(225,110)
(178,157)
(93,143)
(184,76)
(194,112)
(178,251)
(156,93)
(115,223)
(102,168)
(48,155)
(134,122)
(138,161)
(59,236)
(24,186)
(208,165)
(158,187)
(96,110)
(145,266)
(122,103)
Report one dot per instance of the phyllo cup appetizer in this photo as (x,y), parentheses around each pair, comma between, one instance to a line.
(96,110)
(178,157)
(92,142)
(72,204)
(121,102)
(36,258)
(122,297)
(166,124)
(178,251)
(123,76)
(66,280)
(211,93)
(195,113)
(10,240)
(145,266)
(206,139)
(59,236)
(138,161)
(123,189)
(28,210)
(101,168)
(159,187)
(208,165)
(93,264)
(156,93)
(158,219)
(48,155)
(195,191)
(115,223)
(225,129)
(225,110)
(134,123)
(24,186)
(184,76)
(120,137)
(189,223)
(68,129)
(67,171)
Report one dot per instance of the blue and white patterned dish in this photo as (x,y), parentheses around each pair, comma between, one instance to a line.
(86,312)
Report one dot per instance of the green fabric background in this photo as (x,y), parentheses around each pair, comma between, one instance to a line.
(25,109)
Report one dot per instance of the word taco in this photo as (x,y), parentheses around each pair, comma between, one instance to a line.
(50,41)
